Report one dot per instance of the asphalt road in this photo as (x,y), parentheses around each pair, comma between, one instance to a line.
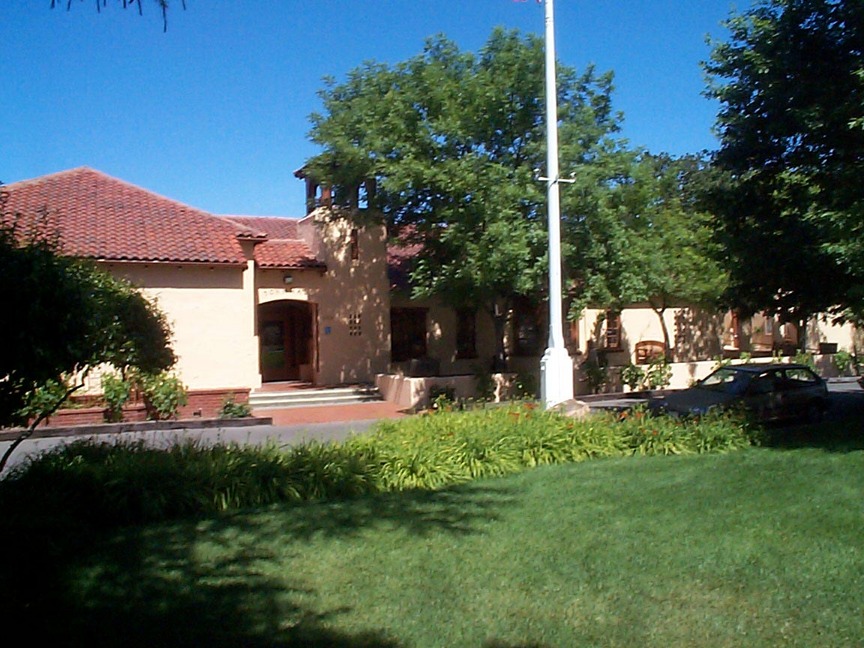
(847,399)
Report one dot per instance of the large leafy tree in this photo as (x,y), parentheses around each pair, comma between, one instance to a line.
(790,203)
(639,232)
(65,316)
(664,252)
(456,142)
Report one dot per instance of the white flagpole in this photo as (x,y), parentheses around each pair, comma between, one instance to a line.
(556,366)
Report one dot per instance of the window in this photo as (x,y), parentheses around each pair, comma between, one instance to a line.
(355,328)
(790,334)
(613,330)
(354,245)
(732,332)
(407,333)
(466,333)
(527,328)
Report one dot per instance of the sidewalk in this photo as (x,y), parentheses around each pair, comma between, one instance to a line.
(332,413)
(276,417)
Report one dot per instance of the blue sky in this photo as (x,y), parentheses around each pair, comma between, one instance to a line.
(214,113)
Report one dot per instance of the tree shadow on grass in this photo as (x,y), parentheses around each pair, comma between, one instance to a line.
(841,434)
(459,510)
(67,584)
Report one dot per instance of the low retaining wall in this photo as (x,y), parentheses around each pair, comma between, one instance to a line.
(203,403)
(414,393)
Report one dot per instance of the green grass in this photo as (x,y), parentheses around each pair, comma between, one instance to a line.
(762,547)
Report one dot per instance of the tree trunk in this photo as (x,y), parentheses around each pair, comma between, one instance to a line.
(660,311)
(28,432)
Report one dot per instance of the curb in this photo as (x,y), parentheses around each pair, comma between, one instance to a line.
(142,426)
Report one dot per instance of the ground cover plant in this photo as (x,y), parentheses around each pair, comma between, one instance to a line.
(112,484)
(757,547)
(754,548)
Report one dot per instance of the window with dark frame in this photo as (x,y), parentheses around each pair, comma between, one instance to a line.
(407,334)
(354,244)
(466,334)
(613,331)
(355,325)
(527,328)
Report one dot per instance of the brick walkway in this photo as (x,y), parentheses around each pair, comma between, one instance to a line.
(332,413)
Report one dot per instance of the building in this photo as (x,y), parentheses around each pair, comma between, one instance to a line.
(259,300)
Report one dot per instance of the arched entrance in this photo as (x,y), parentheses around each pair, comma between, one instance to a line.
(286,333)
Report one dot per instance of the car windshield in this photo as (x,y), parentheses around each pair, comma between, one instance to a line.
(727,380)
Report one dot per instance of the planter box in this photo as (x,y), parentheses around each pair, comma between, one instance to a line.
(203,403)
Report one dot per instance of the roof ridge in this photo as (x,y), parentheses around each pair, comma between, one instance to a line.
(50,176)
(110,218)
(107,176)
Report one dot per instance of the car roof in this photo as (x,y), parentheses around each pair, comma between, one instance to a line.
(759,368)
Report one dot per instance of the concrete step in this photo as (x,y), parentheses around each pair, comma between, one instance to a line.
(313,397)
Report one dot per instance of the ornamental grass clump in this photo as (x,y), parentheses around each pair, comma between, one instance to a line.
(647,434)
(118,483)
(444,448)
(130,482)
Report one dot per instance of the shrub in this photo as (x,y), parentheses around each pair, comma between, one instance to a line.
(484,384)
(596,373)
(645,434)
(844,361)
(164,395)
(442,397)
(805,358)
(526,386)
(659,373)
(632,375)
(231,409)
(45,399)
(129,482)
(116,391)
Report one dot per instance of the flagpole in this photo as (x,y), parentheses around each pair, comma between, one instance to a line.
(556,366)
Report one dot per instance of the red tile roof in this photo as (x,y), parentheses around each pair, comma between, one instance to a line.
(275,227)
(283,248)
(100,217)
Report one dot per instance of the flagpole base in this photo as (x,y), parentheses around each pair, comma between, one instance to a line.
(556,376)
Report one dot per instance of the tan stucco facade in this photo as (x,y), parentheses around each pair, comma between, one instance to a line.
(214,313)
(211,310)
(351,299)
(441,343)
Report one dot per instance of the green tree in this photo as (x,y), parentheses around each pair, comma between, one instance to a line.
(670,239)
(641,234)
(65,316)
(456,142)
(790,81)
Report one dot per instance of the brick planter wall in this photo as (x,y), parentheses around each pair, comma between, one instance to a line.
(203,403)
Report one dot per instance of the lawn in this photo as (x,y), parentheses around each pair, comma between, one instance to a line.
(761,547)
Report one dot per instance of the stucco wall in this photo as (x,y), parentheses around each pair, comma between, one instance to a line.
(211,312)
(697,335)
(352,299)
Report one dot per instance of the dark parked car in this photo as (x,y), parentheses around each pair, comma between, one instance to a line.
(770,392)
